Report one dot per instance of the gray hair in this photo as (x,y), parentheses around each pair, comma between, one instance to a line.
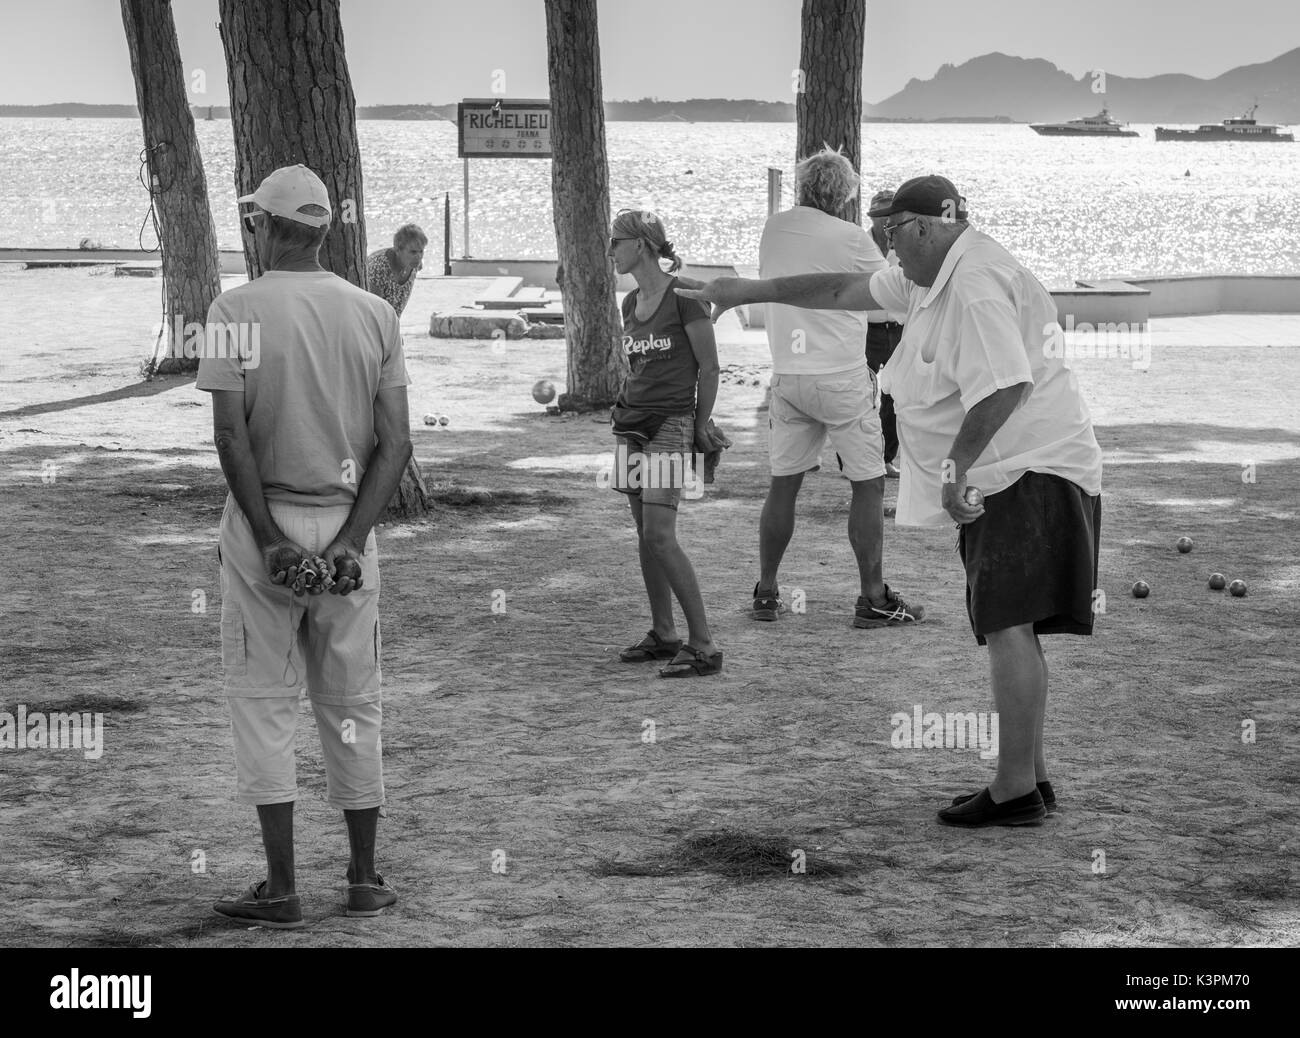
(294,234)
(407,233)
(826,181)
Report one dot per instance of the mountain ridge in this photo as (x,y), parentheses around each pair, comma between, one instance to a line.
(993,87)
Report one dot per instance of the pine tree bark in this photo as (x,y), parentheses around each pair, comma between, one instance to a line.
(190,267)
(580,192)
(291,102)
(828,109)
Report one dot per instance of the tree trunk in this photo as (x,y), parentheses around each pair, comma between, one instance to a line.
(190,268)
(829,105)
(291,102)
(580,190)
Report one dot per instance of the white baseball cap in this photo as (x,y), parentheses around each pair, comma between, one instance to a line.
(287,190)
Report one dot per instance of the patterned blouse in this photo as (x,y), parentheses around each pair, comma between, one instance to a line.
(383,282)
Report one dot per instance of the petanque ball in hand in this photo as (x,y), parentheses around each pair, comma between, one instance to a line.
(544,391)
(974,497)
(1141,589)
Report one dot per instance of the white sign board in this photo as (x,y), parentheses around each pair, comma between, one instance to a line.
(497,128)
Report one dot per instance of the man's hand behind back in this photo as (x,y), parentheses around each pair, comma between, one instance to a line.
(283,560)
(344,562)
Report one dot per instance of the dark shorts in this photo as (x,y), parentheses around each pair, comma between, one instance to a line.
(1031,558)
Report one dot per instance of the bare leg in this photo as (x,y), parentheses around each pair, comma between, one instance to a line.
(776,527)
(867,535)
(660,537)
(1040,762)
(277,839)
(363,827)
(1020,695)
(657,587)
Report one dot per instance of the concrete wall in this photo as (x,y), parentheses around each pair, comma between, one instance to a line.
(232,262)
(1096,301)
(541,273)
(1221,294)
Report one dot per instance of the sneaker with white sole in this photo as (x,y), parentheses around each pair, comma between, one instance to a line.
(894,613)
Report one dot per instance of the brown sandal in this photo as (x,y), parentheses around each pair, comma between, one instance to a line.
(651,647)
(690,662)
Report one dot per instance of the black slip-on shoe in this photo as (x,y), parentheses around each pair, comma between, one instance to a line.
(278,913)
(981,810)
(1044,790)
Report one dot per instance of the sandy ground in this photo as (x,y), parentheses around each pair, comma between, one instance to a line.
(521,732)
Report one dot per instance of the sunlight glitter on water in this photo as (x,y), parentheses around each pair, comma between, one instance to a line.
(1068,209)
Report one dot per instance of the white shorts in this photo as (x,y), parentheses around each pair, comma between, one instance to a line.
(805,409)
(275,644)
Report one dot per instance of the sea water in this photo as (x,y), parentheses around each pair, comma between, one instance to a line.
(1068,208)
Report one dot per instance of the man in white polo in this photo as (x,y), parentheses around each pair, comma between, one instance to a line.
(823,386)
(313,441)
(981,404)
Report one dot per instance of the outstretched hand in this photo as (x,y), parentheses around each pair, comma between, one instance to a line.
(721,294)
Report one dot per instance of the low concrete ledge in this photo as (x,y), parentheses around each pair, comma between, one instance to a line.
(1102,302)
(1221,294)
(232,261)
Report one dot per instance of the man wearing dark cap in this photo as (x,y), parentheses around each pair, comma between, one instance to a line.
(980,406)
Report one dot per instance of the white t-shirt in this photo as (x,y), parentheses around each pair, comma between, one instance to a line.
(326,349)
(982,326)
(804,240)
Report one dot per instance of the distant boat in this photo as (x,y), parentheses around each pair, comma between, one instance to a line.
(1099,125)
(1243,128)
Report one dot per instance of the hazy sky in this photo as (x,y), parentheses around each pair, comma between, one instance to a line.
(442,50)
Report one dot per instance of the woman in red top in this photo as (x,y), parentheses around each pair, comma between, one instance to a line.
(660,420)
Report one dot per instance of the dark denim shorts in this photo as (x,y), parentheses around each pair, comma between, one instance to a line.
(658,472)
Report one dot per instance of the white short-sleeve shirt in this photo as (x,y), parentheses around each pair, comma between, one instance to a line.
(804,240)
(326,349)
(982,326)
